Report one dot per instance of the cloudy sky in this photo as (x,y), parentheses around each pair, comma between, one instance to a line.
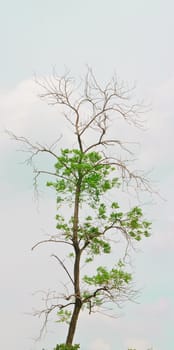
(135,39)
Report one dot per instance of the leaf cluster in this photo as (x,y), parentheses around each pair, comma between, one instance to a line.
(64,316)
(67,347)
(93,173)
(114,278)
(95,232)
(74,166)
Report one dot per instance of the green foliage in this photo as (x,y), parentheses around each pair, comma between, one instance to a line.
(86,177)
(137,228)
(73,166)
(93,176)
(64,316)
(67,347)
(114,278)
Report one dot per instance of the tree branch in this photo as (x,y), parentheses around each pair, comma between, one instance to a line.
(64,267)
(50,240)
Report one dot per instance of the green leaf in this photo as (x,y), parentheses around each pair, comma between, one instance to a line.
(64,316)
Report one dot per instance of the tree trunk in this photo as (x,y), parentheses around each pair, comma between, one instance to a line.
(73,323)
(78,303)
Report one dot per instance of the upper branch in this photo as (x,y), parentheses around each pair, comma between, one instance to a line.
(92,106)
(34,149)
(50,241)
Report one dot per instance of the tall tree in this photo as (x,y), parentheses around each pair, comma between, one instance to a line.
(87,179)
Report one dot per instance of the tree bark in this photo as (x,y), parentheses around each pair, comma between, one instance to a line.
(73,323)
(78,303)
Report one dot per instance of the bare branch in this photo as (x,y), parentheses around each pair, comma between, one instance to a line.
(49,308)
(64,267)
(50,241)
(109,294)
(34,149)
(113,99)
(141,182)
(39,172)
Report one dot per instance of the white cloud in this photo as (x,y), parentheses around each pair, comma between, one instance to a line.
(16,104)
(23,113)
(137,344)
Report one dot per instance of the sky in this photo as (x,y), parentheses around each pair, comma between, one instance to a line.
(135,40)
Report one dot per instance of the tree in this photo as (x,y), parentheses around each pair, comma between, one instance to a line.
(87,179)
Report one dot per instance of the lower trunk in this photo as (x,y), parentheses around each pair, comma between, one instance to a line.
(73,323)
(78,303)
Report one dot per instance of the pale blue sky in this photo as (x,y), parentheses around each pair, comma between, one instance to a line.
(135,39)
